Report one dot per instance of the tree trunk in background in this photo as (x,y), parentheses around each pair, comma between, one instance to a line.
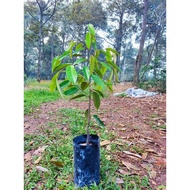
(119,39)
(151,51)
(43,6)
(156,61)
(142,40)
(40,50)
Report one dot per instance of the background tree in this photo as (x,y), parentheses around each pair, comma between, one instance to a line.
(142,41)
(46,11)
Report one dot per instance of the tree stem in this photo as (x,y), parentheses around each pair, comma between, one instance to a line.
(89,114)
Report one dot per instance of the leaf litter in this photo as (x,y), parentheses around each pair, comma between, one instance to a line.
(135,121)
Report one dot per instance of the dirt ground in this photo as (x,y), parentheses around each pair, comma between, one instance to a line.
(140,122)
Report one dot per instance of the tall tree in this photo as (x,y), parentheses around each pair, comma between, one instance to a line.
(41,11)
(137,64)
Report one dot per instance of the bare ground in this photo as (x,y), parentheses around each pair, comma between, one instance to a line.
(136,121)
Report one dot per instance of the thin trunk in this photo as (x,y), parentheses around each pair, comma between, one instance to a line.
(89,114)
(119,39)
(151,51)
(142,40)
(155,62)
(40,46)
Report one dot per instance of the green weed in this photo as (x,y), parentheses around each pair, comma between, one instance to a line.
(34,97)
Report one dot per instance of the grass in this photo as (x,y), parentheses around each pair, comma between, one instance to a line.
(59,148)
(37,93)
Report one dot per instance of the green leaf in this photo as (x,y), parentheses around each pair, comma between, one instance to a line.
(79,46)
(53,82)
(78,96)
(56,62)
(106,65)
(88,40)
(98,80)
(75,53)
(114,65)
(108,56)
(99,121)
(84,85)
(99,73)
(71,91)
(109,84)
(62,66)
(71,44)
(64,83)
(58,87)
(86,72)
(64,55)
(92,63)
(71,73)
(79,61)
(96,99)
(99,92)
(112,50)
(86,114)
(91,29)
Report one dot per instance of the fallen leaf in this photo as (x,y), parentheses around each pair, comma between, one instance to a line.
(119,143)
(123,172)
(38,160)
(123,129)
(147,166)
(150,150)
(160,162)
(108,157)
(27,156)
(153,182)
(152,174)
(58,164)
(106,142)
(119,181)
(132,154)
(144,155)
(39,150)
(41,168)
(31,142)
(108,147)
(130,166)
(121,125)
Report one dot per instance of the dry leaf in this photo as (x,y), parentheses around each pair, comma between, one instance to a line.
(123,172)
(31,142)
(150,150)
(108,157)
(147,166)
(121,125)
(41,168)
(108,147)
(119,181)
(38,160)
(160,162)
(132,154)
(152,174)
(123,129)
(58,164)
(130,166)
(106,142)
(39,150)
(144,155)
(118,143)
(27,156)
